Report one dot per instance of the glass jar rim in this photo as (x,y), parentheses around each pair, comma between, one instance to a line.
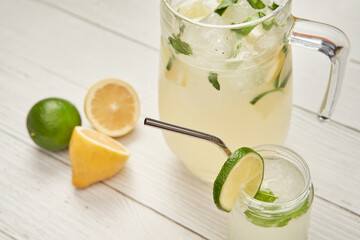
(228,26)
(284,206)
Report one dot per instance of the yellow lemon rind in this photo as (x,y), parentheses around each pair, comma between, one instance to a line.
(92,161)
(98,126)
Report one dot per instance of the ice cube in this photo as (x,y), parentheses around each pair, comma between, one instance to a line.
(196,10)
(238,13)
(269,40)
(268,2)
(213,18)
(210,42)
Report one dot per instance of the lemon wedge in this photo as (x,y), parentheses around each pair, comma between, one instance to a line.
(94,156)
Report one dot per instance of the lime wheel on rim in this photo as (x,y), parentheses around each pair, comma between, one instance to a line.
(242,171)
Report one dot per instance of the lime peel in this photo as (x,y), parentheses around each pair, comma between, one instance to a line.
(243,170)
(50,123)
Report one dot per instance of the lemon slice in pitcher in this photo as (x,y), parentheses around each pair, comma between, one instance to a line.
(275,67)
(196,10)
(243,170)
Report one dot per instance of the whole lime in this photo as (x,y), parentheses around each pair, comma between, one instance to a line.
(51,121)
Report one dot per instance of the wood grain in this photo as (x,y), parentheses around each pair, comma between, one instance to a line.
(5,236)
(111,14)
(332,153)
(60,50)
(331,223)
(341,15)
(19,75)
(156,178)
(311,76)
(96,26)
(38,201)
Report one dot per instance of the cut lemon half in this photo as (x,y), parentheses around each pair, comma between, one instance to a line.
(242,171)
(94,156)
(112,107)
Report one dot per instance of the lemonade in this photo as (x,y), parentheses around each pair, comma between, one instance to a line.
(281,209)
(267,189)
(234,83)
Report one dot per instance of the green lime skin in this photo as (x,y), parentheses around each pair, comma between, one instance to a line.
(51,121)
(226,170)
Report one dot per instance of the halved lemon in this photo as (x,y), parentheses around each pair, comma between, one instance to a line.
(242,171)
(94,156)
(112,107)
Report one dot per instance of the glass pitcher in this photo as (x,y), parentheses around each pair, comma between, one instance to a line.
(230,75)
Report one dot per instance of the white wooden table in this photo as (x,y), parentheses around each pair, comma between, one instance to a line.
(60,48)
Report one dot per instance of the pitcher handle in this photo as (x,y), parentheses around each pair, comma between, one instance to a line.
(332,42)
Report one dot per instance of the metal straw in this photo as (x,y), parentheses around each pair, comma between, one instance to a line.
(189,132)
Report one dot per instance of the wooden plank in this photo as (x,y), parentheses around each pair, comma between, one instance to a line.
(147,181)
(156,178)
(139,21)
(40,201)
(79,208)
(81,53)
(93,53)
(341,143)
(311,76)
(153,176)
(329,222)
(332,153)
(143,18)
(41,78)
(5,236)
(343,16)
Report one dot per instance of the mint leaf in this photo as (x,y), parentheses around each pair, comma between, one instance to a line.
(213,79)
(243,32)
(286,79)
(276,85)
(180,46)
(257,4)
(224,5)
(182,28)
(236,51)
(285,50)
(273,6)
(276,82)
(277,220)
(258,97)
(301,210)
(265,195)
(269,24)
(170,63)
(267,222)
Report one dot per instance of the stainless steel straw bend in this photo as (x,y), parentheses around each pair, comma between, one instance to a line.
(189,132)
